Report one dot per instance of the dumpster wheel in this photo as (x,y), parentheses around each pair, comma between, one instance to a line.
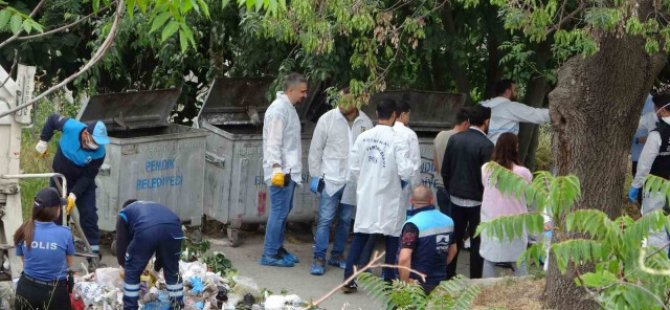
(234,236)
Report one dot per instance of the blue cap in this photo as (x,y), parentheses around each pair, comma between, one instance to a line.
(100,133)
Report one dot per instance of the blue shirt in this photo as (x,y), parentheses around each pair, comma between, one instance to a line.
(45,260)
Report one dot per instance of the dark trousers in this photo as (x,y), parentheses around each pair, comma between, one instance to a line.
(361,249)
(88,213)
(165,241)
(634,171)
(443,201)
(34,296)
(466,220)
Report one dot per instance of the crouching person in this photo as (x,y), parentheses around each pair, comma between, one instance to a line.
(142,229)
(426,244)
(46,250)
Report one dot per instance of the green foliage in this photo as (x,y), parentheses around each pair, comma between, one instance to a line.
(217,262)
(453,294)
(607,251)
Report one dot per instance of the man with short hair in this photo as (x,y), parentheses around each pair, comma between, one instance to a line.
(282,166)
(379,161)
(426,244)
(334,135)
(466,153)
(440,144)
(401,127)
(507,113)
(80,154)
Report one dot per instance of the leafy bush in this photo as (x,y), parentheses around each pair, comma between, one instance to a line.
(453,294)
(586,239)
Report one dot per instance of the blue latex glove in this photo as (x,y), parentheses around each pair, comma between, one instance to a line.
(633,193)
(314,184)
(197,285)
(403,184)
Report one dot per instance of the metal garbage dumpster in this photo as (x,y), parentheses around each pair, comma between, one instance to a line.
(432,112)
(147,157)
(235,192)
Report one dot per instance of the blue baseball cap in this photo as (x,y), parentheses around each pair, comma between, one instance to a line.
(98,132)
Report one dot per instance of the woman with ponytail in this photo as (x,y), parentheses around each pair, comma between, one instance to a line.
(47,251)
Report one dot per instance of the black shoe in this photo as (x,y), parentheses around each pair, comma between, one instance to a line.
(350,288)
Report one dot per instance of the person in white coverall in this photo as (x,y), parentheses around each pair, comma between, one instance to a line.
(282,166)
(380,162)
(655,160)
(334,135)
(403,111)
(507,113)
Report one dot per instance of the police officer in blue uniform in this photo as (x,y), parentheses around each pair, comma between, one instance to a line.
(142,229)
(427,244)
(80,153)
(47,251)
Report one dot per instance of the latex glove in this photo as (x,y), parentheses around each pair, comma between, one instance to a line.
(314,184)
(71,198)
(277,177)
(41,148)
(403,184)
(633,193)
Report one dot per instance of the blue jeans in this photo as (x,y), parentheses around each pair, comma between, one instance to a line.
(360,252)
(329,207)
(281,203)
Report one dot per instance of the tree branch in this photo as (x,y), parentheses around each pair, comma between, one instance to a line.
(372,264)
(94,59)
(16,35)
(565,19)
(11,70)
(65,27)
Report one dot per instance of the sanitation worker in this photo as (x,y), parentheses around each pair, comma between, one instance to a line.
(80,153)
(145,228)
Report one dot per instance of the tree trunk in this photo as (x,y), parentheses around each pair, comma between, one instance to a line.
(536,92)
(594,111)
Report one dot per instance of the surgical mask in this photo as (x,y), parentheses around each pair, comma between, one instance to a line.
(90,144)
(666,119)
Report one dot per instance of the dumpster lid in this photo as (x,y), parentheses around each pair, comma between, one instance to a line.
(132,110)
(431,111)
(236,101)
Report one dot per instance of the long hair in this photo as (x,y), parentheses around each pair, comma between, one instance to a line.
(506,152)
(26,231)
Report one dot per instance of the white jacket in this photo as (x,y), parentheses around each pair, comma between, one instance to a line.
(379,160)
(329,151)
(281,139)
(506,115)
(412,140)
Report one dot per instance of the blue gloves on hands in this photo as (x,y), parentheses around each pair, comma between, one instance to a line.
(633,193)
(314,184)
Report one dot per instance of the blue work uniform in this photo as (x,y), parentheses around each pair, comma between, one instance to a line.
(80,167)
(43,284)
(142,229)
(429,233)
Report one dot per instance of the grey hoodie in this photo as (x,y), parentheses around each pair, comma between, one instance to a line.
(506,115)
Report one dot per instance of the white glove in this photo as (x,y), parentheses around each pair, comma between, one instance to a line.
(41,147)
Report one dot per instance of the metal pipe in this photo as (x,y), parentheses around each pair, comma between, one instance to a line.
(43,175)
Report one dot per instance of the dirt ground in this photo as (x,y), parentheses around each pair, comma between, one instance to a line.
(512,294)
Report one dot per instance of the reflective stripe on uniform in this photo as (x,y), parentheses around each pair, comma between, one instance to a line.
(174,287)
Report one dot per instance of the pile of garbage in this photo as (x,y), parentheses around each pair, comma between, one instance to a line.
(203,290)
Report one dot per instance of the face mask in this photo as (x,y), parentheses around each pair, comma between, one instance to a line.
(90,144)
(666,119)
